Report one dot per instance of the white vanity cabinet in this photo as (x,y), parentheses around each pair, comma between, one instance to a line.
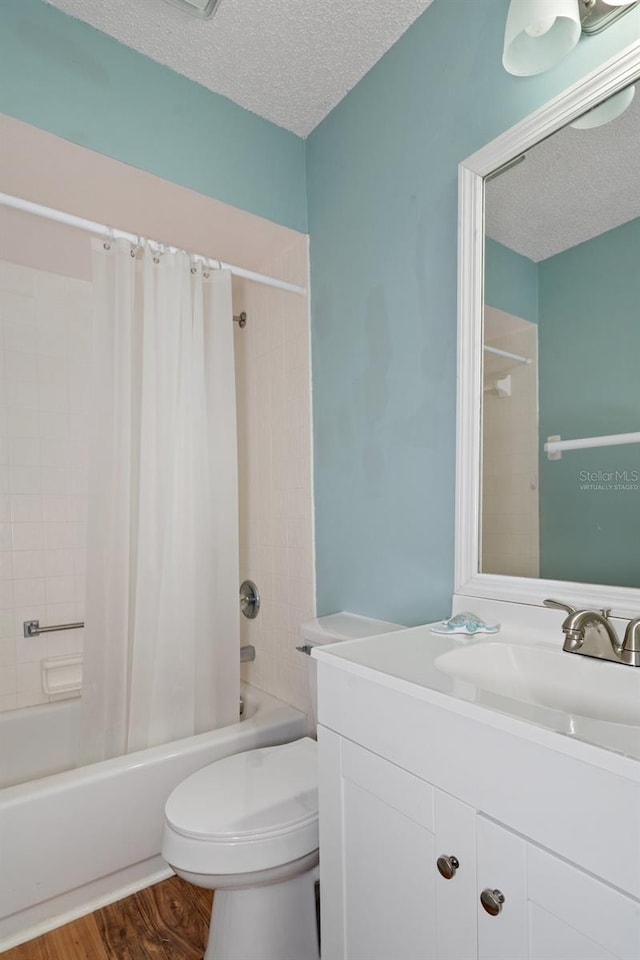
(389,901)
(396,796)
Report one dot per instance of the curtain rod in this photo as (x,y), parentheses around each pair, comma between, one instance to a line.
(48,213)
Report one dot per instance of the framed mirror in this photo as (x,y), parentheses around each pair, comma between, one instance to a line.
(548,441)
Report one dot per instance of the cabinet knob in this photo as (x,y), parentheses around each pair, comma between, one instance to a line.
(447,866)
(492,901)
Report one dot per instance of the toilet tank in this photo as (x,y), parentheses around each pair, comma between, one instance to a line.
(333,629)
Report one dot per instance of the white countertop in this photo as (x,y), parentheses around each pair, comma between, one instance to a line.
(404,661)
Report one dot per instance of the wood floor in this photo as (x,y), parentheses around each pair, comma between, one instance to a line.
(168,921)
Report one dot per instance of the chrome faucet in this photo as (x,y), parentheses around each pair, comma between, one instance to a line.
(590,633)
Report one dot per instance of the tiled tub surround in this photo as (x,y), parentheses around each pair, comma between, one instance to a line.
(44,460)
(273,382)
(275,340)
(45,325)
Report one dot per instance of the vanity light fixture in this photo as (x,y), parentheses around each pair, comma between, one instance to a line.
(596,15)
(541,33)
(203,9)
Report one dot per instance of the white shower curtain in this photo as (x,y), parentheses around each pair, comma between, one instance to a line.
(161,658)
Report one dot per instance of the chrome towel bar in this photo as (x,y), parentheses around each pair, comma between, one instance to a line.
(32,628)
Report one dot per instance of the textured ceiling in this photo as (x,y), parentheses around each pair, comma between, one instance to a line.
(570,188)
(290,61)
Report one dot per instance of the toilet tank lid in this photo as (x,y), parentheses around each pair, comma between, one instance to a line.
(344,626)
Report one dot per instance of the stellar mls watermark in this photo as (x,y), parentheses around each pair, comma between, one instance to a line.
(606,481)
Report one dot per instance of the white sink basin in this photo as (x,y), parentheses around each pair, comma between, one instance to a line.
(546,677)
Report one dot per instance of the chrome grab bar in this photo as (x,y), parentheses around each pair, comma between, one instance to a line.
(247,654)
(32,628)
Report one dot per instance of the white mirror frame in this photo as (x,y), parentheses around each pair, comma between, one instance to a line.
(469,581)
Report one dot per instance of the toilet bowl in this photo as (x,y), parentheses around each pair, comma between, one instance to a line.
(247,827)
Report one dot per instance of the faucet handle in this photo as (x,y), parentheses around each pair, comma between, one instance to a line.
(559,605)
(631,640)
(630,652)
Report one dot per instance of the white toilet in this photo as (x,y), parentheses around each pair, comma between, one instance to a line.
(247,827)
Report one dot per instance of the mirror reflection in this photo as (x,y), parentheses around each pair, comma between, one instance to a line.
(561,355)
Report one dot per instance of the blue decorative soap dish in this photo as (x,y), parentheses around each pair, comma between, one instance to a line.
(466,623)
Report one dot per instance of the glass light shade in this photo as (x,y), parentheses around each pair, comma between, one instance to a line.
(539,34)
(607,111)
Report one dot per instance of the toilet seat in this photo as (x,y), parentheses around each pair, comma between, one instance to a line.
(251,811)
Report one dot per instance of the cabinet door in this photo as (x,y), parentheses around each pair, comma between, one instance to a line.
(552,939)
(501,869)
(389,856)
(573,916)
(551,910)
(456,928)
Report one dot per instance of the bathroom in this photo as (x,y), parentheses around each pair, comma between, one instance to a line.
(346,392)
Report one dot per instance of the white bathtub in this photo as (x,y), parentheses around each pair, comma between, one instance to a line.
(73,841)
(38,741)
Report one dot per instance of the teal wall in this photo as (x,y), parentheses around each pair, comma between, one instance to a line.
(382,200)
(510,281)
(65,77)
(589,350)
